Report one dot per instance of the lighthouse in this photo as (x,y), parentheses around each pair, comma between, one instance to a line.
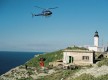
(96,39)
(96,46)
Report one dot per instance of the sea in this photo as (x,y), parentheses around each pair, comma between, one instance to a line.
(9,60)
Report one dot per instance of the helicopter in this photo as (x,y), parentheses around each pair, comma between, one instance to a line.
(45,12)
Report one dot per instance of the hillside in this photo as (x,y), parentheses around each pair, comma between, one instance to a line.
(98,71)
(50,57)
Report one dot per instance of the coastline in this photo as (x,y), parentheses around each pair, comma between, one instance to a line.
(21,72)
(13,59)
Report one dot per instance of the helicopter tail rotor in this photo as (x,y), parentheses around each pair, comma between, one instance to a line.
(33,15)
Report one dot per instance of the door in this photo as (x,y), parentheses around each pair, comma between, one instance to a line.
(70,59)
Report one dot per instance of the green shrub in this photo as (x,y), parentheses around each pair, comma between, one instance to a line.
(103,77)
(25,78)
(103,62)
(90,77)
(58,75)
(85,77)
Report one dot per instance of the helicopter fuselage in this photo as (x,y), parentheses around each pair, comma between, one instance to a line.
(46,13)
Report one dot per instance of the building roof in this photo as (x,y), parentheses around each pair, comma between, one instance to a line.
(80,51)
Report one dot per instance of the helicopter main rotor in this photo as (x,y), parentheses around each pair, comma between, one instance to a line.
(45,8)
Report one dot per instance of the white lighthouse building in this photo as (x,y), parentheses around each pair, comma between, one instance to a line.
(96,44)
(96,39)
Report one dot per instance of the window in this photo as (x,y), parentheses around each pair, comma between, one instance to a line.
(85,58)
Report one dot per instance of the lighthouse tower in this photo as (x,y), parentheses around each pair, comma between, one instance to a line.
(96,39)
(96,46)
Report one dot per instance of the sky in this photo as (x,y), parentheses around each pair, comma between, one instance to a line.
(74,22)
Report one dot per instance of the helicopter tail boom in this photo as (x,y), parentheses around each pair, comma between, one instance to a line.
(36,15)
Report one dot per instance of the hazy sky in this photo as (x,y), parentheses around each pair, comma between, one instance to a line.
(73,23)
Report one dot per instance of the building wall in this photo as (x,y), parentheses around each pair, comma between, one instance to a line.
(93,48)
(97,49)
(78,57)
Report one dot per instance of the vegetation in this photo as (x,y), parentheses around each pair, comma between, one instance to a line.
(85,77)
(90,77)
(66,73)
(25,78)
(77,48)
(103,62)
(103,77)
(52,56)
(59,75)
